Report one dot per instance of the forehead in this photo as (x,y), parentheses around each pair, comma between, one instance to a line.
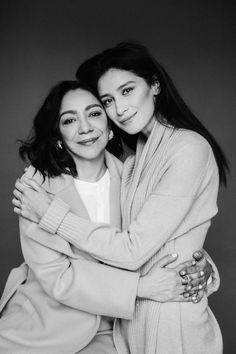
(79,99)
(114,78)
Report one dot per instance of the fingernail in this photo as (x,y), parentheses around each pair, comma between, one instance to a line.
(202,273)
(193,262)
(174,255)
(186,294)
(182,272)
(200,286)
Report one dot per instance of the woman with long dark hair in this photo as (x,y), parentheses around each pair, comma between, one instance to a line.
(168,197)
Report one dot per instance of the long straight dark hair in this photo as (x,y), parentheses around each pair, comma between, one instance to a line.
(170,107)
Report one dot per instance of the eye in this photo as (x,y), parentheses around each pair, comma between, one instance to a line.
(107,102)
(95,114)
(68,121)
(127,90)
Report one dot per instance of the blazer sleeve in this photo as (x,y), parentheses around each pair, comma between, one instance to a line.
(74,281)
(163,214)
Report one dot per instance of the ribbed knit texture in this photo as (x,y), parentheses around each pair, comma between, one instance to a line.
(145,334)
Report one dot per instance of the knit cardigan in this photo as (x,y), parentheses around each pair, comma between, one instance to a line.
(168,198)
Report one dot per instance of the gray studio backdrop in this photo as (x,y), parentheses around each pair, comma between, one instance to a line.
(44,41)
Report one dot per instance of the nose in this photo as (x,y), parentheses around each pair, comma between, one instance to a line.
(85,126)
(121,108)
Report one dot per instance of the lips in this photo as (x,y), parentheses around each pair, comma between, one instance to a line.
(126,119)
(89,141)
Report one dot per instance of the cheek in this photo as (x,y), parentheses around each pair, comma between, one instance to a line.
(111,113)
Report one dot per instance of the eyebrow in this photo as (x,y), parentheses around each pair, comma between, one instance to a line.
(120,87)
(67,112)
(86,109)
(92,106)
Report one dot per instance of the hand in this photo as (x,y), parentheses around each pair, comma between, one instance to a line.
(196,276)
(165,284)
(30,199)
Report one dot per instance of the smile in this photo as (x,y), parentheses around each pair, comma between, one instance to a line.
(125,120)
(88,142)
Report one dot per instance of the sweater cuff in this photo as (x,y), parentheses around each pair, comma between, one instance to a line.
(54,215)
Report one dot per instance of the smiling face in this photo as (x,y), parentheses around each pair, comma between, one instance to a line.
(128,100)
(83,125)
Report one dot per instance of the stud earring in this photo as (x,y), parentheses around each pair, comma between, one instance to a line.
(111,134)
(59,144)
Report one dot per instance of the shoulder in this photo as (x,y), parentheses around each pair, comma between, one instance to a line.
(191,144)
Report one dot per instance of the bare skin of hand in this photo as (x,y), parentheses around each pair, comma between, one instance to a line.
(165,284)
(202,268)
(30,199)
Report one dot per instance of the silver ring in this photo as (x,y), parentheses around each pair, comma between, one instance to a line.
(187,276)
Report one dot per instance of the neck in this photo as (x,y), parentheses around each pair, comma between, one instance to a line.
(91,170)
(148,128)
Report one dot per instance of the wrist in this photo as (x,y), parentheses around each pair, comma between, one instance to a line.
(142,288)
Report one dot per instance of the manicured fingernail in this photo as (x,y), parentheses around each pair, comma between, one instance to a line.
(193,262)
(182,272)
(186,294)
(200,286)
(202,273)
(174,255)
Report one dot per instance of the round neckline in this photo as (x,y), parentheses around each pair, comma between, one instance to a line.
(93,183)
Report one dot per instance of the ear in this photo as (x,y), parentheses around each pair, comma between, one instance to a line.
(156,88)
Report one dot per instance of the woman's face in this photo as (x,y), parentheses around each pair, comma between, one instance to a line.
(83,125)
(128,100)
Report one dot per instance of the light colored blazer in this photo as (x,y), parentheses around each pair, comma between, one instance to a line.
(53,303)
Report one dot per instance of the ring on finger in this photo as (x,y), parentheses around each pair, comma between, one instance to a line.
(187,276)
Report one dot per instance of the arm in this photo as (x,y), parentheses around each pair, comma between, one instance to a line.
(75,281)
(161,218)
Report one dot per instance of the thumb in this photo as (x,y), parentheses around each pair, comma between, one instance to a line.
(164,261)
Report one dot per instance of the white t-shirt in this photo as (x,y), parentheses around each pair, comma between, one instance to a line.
(96,198)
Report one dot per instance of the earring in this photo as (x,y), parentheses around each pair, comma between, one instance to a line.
(111,135)
(59,145)
(156,88)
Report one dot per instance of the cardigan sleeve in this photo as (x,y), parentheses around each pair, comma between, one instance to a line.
(74,281)
(163,214)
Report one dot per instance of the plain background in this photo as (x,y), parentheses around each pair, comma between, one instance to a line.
(45,41)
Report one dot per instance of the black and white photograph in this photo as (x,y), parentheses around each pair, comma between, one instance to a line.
(118,177)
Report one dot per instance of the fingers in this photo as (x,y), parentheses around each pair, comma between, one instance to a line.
(20,186)
(17,211)
(183,268)
(17,194)
(32,183)
(164,261)
(198,281)
(16,202)
(198,255)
